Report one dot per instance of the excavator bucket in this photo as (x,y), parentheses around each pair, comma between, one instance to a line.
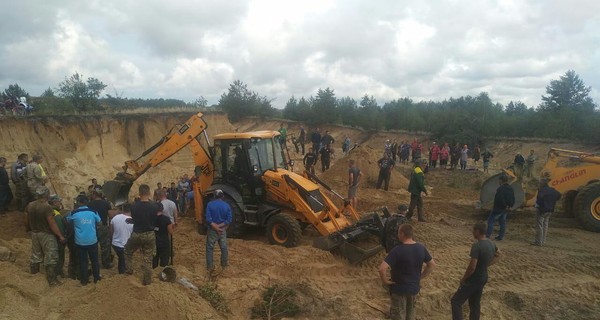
(352,243)
(117,191)
(489,187)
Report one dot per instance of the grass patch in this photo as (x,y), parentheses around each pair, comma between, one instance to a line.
(277,302)
(209,292)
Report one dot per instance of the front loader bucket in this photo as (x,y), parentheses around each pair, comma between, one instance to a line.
(489,187)
(117,191)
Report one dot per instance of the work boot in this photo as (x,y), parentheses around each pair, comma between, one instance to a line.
(51,275)
(34,268)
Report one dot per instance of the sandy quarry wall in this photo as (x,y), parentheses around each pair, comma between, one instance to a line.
(78,148)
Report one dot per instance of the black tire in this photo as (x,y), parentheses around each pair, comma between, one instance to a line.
(237,228)
(587,207)
(284,230)
(568,203)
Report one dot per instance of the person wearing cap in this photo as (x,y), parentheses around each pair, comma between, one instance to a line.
(415,187)
(85,222)
(56,203)
(504,200)
(218,218)
(102,207)
(6,195)
(143,214)
(36,176)
(545,203)
(44,231)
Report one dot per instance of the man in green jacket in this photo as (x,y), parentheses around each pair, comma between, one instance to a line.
(415,187)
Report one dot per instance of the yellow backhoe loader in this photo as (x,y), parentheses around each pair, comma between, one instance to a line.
(576,175)
(254,172)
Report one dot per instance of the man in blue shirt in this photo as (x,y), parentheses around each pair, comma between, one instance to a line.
(218,218)
(84,221)
(405,263)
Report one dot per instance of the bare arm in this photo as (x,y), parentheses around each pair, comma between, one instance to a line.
(350,178)
(428,268)
(170,228)
(470,270)
(383,268)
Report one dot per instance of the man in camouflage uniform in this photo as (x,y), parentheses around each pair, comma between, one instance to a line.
(44,247)
(36,176)
(56,203)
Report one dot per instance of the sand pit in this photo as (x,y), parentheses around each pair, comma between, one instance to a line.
(559,281)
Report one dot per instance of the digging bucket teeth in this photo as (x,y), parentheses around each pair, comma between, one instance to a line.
(343,242)
(117,191)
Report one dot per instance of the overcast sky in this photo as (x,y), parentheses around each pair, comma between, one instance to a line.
(425,50)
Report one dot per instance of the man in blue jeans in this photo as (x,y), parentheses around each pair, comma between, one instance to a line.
(504,200)
(218,218)
(84,222)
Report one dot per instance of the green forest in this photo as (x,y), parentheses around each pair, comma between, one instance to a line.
(566,110)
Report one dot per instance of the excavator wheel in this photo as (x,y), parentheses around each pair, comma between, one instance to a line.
(568,203)
(587,207)
(237,228)
(284,230)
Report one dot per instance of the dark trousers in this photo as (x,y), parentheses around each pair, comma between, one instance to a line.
(90,251)
(162,256)
(61,260)
(384,176)
(415,201)
(471,292)
(325,163)
(73,266)
(311,169)
(121,258)
(6,197)
(302,145)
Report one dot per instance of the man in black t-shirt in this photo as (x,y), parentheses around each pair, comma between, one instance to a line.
(310,159)
(162,232)
(484,253)
(143,214)
(406,262)
(386,164)
(325,152)
(101,207)
(354,176)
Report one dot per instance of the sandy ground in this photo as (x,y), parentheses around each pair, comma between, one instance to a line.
(558,281)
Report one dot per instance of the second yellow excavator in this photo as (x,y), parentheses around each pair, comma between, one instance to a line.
(576,175)
(253,170)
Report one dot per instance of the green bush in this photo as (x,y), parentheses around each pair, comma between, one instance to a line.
(277,302)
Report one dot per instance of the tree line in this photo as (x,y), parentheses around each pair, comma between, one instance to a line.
(566,110)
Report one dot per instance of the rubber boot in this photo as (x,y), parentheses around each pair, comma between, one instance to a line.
(51,275)
(34,268)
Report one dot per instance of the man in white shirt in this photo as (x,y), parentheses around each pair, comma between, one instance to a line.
(121,227)
(169,207)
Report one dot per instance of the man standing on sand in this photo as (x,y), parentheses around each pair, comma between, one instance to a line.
(44,232)
(406,264)
(218,218)
(159,188)
(354,176)
(503,202)
(102,207)
(385,171)
(120,232)
(315,138)
(325,153)
(36,177)
(415,187)
(519,163)
(464,157)
(169,207)
(484,253)
(6,195)
(163,235)
(85,222)
(309,160)
(56,203)
(17,175)
(302,138)
(545,203)
(486,155)
(143,213)
(283,136)
(529,163)
(435,154)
